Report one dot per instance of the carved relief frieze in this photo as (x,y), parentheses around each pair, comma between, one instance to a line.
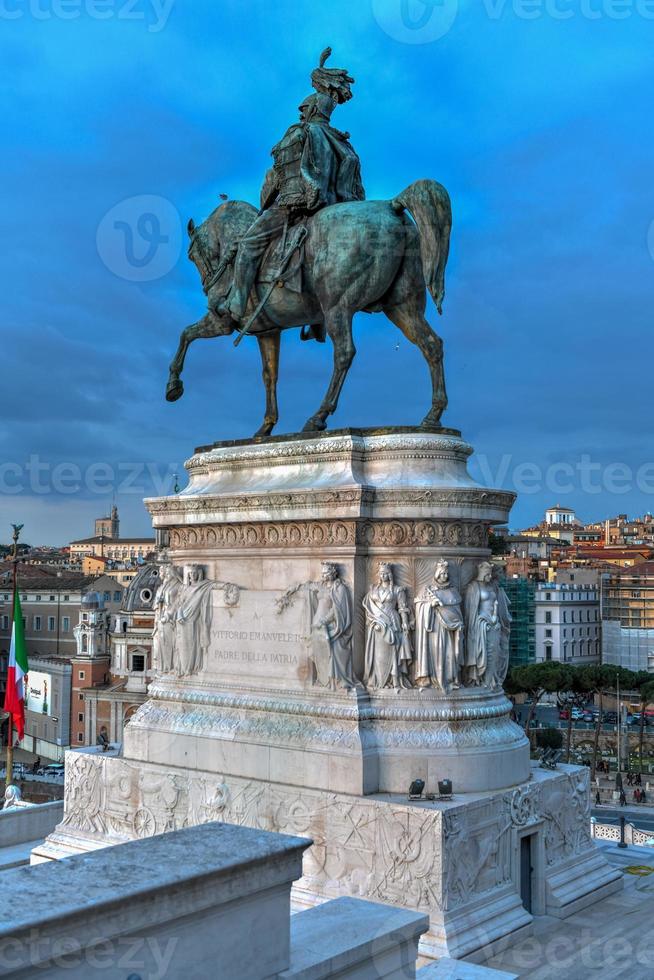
(330,533)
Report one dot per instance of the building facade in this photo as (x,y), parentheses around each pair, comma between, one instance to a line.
(628,617)
(521,592)
(568,623)
(51,603)
(110,705)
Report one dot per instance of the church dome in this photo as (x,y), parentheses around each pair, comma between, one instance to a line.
(141,590)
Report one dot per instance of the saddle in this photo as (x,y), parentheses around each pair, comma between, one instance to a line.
(288,253)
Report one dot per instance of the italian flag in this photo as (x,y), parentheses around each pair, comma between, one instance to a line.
(17,671)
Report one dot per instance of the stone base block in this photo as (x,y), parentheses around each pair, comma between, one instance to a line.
(458,861)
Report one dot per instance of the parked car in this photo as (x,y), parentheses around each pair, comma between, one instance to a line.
(610,718)
(564,714)
(588,717)
(54,769)
(577,714)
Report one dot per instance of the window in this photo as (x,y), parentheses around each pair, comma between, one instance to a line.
(80,716)
(106,596)
(80,737)
(66,598)
(138,662)
(51,623)
(66,624)
(548,617)
(81,675)
(52,598)
(548,595)
(80,697)
(37,623)
(5,622)
(548,652)
(38,598)
(548,633)
(116,596)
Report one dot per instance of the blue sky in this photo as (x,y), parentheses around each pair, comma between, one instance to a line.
(537,118)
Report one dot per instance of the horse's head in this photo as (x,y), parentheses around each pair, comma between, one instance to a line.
(213,244)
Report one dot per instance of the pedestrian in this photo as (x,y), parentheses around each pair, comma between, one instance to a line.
(630,779)
(636,795)
(598,799)
(643,796)
(623,798)
(639,779)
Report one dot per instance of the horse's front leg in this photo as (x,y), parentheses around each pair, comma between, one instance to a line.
(208,326)
(269,350)
(338,324)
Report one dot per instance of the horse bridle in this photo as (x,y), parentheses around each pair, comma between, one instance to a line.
(208,276)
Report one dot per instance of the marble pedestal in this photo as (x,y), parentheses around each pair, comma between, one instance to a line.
(248,734)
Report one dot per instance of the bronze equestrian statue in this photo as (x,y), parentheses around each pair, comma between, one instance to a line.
(317,253)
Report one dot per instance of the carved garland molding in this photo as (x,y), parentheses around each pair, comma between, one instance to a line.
(496,706)
(420,447)
(316,534)
(311,499)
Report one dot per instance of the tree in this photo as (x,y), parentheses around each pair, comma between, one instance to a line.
(535,680)
(549,738)
(601,679)
(574,697)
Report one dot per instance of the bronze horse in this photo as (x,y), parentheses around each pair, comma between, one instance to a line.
(358,256)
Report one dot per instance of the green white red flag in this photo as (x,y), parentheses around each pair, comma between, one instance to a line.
(17,671)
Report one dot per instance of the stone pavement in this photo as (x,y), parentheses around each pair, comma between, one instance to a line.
(614,938)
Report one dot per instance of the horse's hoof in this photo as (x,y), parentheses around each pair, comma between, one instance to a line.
(315,425)
(431,421)
(174,390)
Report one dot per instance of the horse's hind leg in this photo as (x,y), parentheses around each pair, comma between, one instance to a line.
(338,324)
(208,326)
(410,318)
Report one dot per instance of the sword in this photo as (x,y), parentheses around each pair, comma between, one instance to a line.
(277,281)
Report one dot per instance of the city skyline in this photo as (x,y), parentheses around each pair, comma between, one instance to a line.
(547,288)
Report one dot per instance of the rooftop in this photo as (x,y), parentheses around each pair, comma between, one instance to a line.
(103,539)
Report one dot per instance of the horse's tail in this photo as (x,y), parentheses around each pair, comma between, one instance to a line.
(428,203)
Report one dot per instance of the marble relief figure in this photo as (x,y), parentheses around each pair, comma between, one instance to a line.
(165,605)
(488,622)
(439,633)
(388,643)
(331,630)
(182,625)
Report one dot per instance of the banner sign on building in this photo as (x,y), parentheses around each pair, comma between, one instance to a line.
(38,694)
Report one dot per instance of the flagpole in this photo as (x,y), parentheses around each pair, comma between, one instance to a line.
(10,728)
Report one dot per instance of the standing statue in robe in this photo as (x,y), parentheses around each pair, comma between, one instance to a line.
(331,630)
(488,622)
(193,624)
(182,623)
(388,643)
(439,633)
(165,605)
